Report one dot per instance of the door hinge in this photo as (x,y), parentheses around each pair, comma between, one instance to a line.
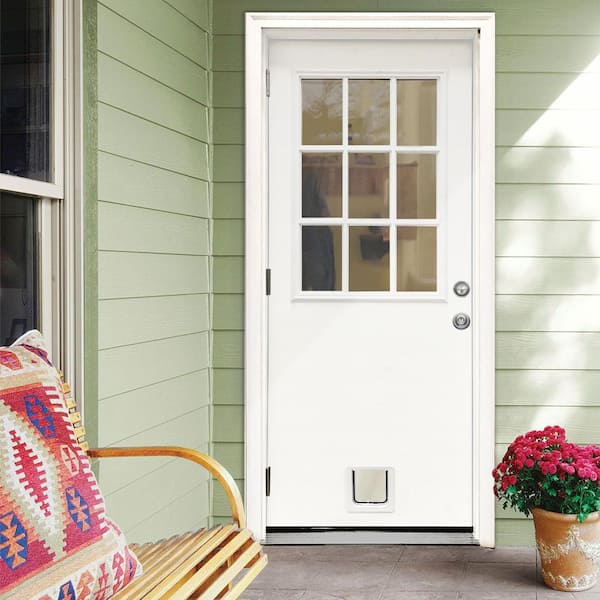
(268,82)
(268,481)
(268,282)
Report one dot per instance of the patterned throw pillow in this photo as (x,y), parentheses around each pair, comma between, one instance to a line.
(56,542)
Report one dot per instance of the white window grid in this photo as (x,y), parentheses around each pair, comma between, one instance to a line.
(392,150)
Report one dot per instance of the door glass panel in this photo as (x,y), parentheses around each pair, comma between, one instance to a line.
(321,111)
(18,267)
(368,185)
(25,83)
(369,111)
(321,185)
(416,186)
(369,259)
(321,258)
(417,99)
(417,259)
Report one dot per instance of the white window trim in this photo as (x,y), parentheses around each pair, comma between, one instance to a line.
(60,211)
(260,29)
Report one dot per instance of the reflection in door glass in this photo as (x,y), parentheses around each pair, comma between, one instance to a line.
(321,258)
(369,259)
(368,187)
(416,186)
(321,185)
(368,111)
(417,112)
(321,111)
(417,259)
(18,267)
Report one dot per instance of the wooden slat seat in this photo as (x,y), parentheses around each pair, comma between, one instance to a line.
(211,563)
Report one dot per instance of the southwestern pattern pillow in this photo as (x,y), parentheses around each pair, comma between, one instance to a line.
(56,542)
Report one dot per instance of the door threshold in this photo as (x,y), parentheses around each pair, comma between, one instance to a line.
(384,535)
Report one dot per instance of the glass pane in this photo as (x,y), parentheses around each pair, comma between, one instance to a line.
(368,185)
(415,187)
(18,267)
(417,112)
(321,111)
(369,111)
(321,258)
(321,185)
(25,80)
(369,259)
(417,259)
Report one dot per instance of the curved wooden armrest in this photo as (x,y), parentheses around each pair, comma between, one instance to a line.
(209,463)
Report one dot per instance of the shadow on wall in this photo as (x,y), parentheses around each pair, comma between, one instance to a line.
(548,265)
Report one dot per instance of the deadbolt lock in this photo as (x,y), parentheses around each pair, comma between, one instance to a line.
(461,288)
(461,321)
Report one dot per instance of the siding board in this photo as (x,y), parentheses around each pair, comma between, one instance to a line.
(524,275)
(134,47)
(130,275)
(127,368)
(129,321)
(228,237)
(228,387)
(546,202)
(228,275)
(548,238)
(228,90)
(228,200)
(547,54)
(125,181)
(196,11)
(150,143)
(581,423)
(547,350)
(548,165)
(228,312)
(578,128)
(227,349)
(123,87)
(134,412)
(228,126)
(154,231)
(528,387)
(158,18)
(228,164)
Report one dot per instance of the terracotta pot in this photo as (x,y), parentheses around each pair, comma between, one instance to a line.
(569,550)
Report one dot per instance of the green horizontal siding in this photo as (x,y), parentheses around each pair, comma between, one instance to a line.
(125,181)
(128,89)
(131,45)
(153,258)
(548,184)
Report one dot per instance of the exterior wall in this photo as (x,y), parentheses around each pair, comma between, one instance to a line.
(153,257)
(548,265)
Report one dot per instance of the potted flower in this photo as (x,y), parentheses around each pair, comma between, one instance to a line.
(559,484)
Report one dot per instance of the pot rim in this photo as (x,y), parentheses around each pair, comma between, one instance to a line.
(548,514)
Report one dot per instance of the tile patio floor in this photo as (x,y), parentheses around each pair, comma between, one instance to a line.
(403,573)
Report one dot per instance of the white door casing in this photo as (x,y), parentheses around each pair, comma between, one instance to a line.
(385,386)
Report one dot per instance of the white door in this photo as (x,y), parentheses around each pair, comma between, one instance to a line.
(370,193)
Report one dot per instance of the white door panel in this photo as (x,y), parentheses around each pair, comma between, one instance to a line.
(367,370)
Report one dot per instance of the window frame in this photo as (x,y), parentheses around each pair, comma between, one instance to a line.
(59,213)
(392,150)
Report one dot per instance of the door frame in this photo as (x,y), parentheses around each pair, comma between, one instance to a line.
(261,28)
